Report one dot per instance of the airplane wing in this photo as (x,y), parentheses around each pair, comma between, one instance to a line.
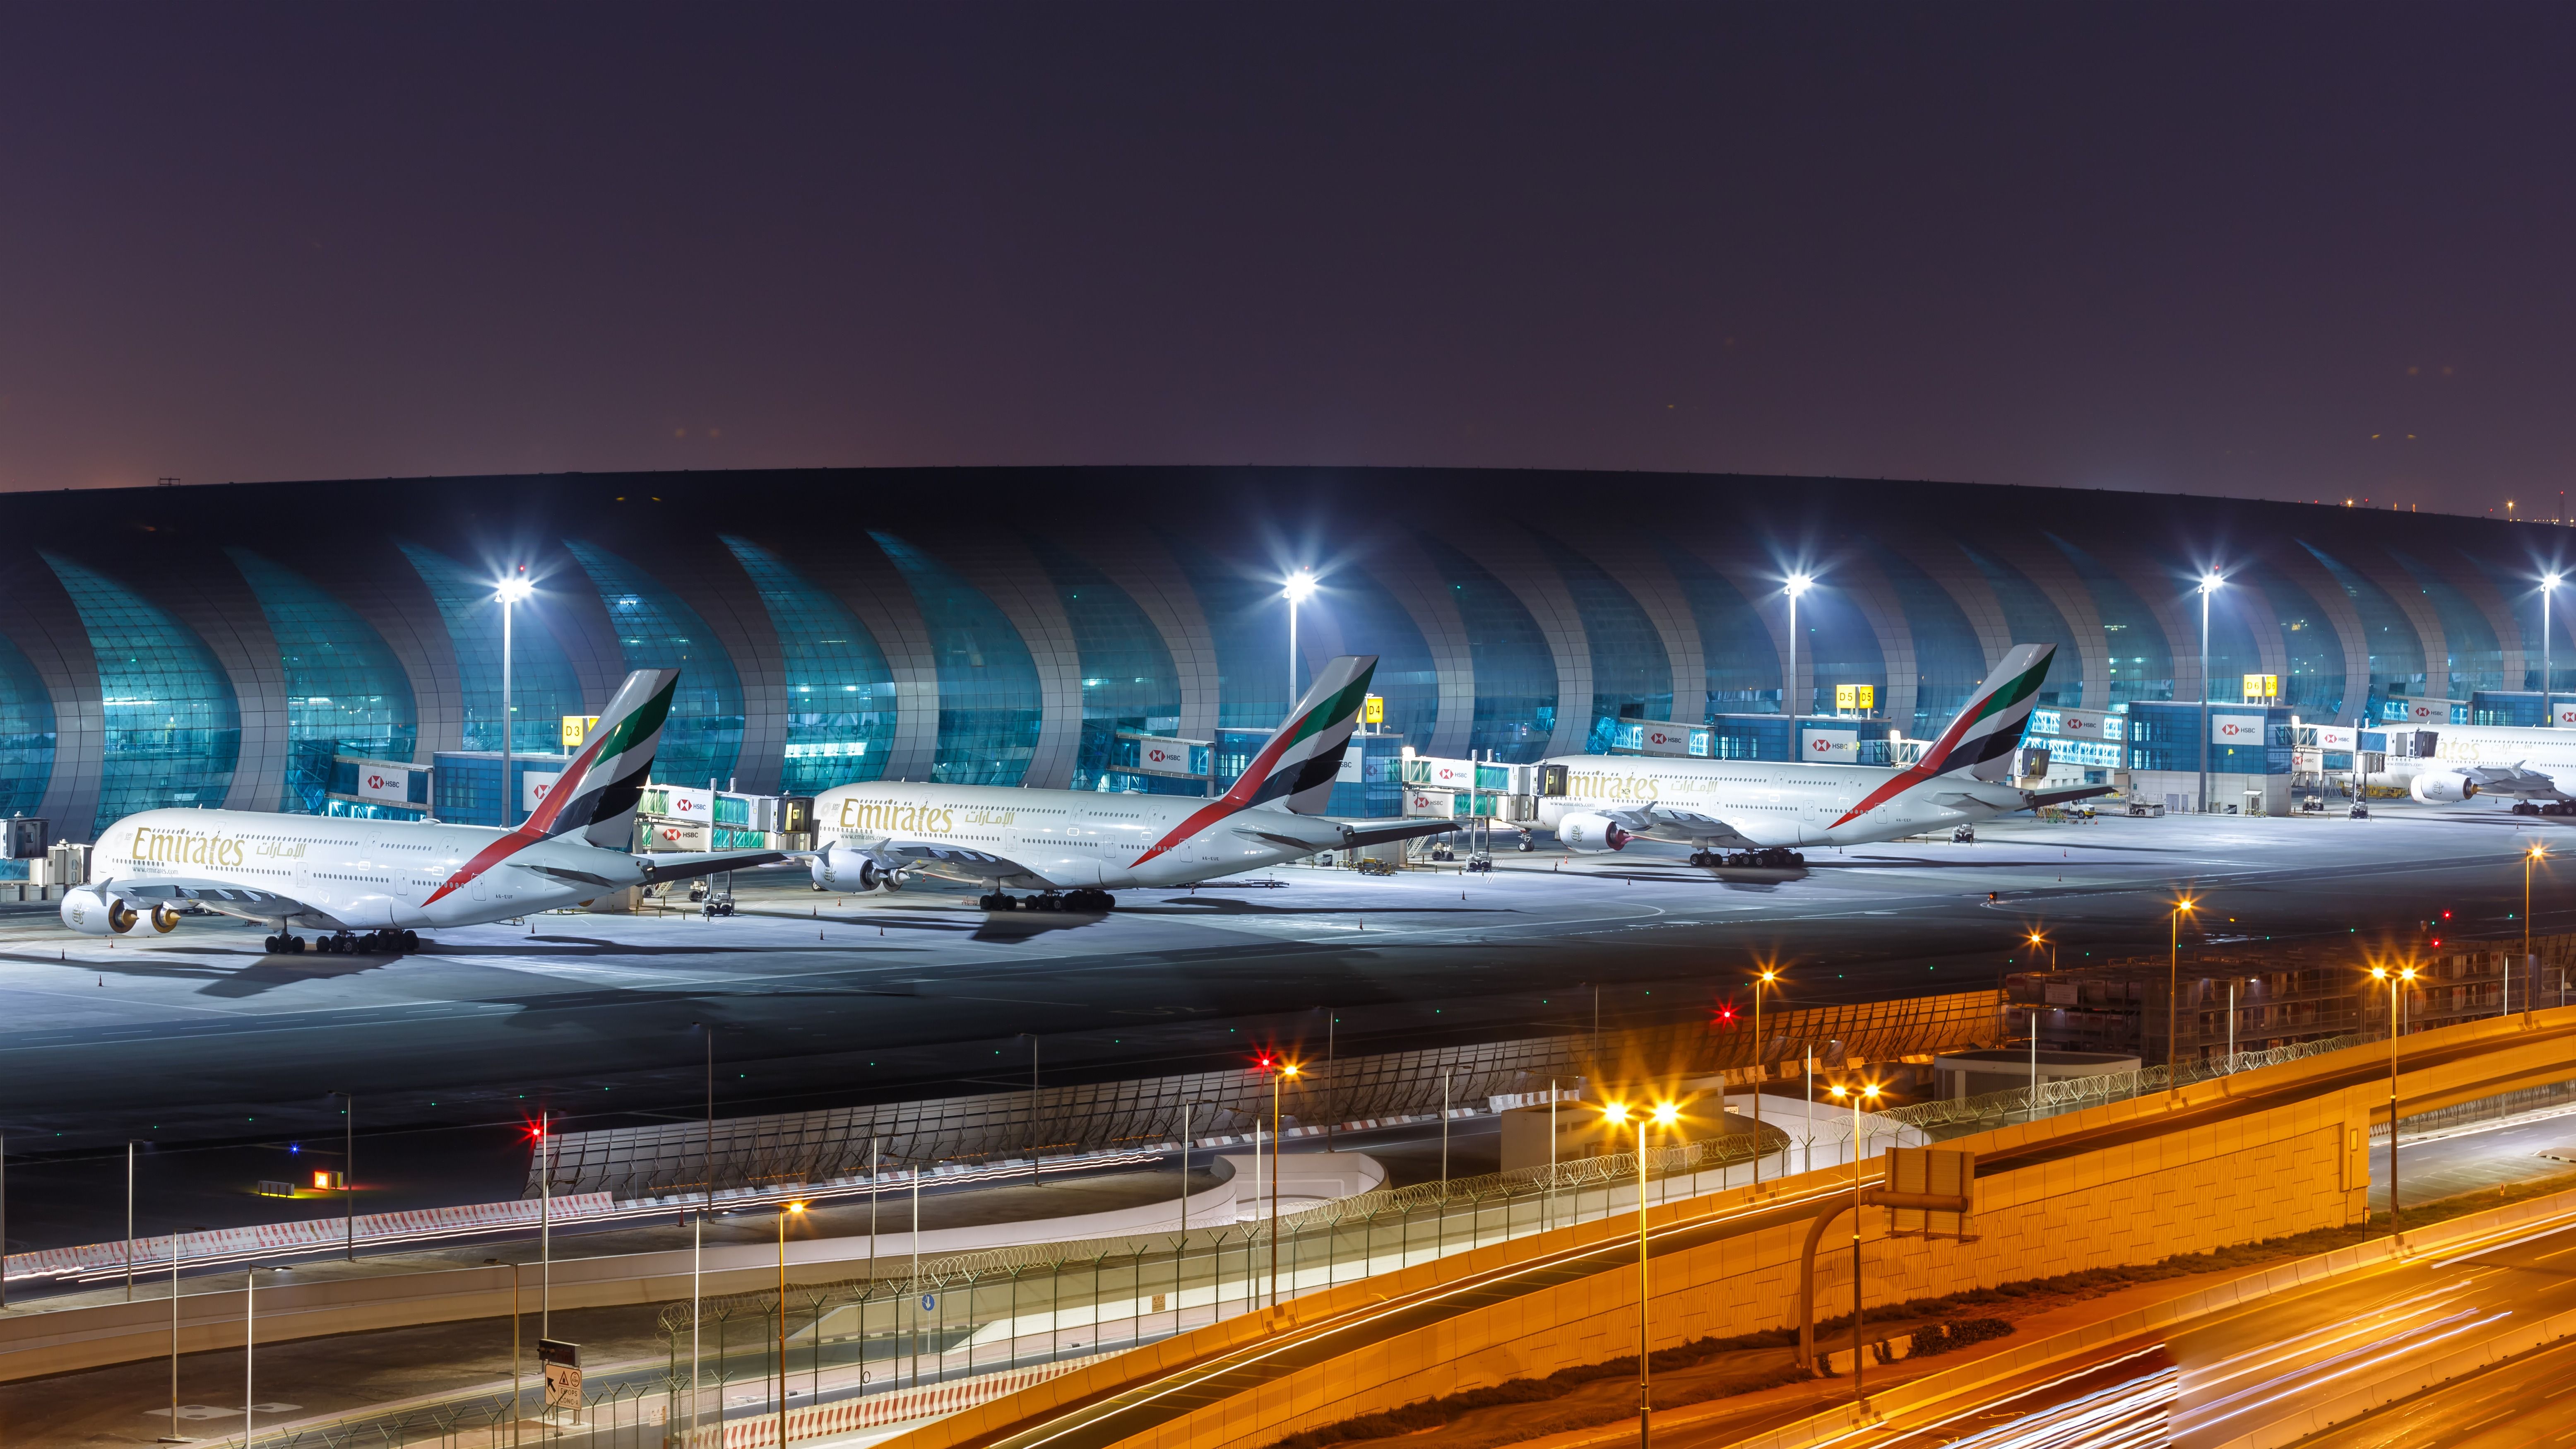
(954,863)
(2513,780)
(680,864)
(2039,798)
(1661,822)
(1321,834)
(248,902)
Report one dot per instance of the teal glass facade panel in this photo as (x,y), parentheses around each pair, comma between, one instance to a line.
(2310,644)
(1632,674)
(702,738)
(2518,587)
(840,691)
(990,705)
(1837,645)
(1128,681)
(346,693)
(1741,660)
(2396,650)
(27,733)
(2141,657)
(173,724)
(2473,652)
(1516,698)
(1949,664)
(1247,621)
(1372,622)
(2032,619)
(540,676)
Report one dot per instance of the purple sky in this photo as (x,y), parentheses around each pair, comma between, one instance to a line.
(2277,250)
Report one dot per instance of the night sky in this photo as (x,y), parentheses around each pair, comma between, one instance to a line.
(2276,250)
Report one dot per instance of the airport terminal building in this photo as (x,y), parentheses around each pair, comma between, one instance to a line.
(289,645)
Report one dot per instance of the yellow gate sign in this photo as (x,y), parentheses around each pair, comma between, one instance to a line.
(1374,712)
(1855,696)
(577,728)
(2262,686)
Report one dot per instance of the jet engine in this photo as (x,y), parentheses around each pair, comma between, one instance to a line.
(2447,787)
(1591,833)
(839,867)
(92,914)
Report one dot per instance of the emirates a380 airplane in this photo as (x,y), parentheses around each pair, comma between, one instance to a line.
(1074,847)
(1757,812)
(374,884)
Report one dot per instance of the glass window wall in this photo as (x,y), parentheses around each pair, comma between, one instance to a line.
(540,675)
(2032,619)
(2475,655)
(702,738)
(346,693)
(840,691)
(2142,659)
(173,725)
(1949,664)
(1515,671)
(1128,680)
(2396,650)
(1743,663)
(990,704)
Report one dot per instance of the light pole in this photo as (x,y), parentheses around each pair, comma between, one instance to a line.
(511,591)
(1794,585)
(1761,1065)
(2036,941)
(2209,584)
(1868,1090)
(783,1212)
(1300,587)
(2539,852)
(250,1334)
(349,1168)
(2548,709)
(515,1389)
(1278,1071)
(1662,1116)
(2173,996)
(2394,979)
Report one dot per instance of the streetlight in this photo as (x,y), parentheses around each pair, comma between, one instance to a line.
(2538,852)
(2173,992)
(1278,1071)
(2394,979)
(2548,710)
(1663,1115)
(250,1332)
(510,591)
(1769,976)
(1796,584)
(783,1212)
(515,1390)
(2210,583)
(1300,587)
(1869,1091)
(349,1169)
(2037,940)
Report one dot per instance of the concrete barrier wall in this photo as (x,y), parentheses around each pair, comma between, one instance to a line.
(36,1340)
(2266,1174)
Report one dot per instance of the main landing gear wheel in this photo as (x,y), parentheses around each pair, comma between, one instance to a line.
(1090,902)
(284,945)
(997,901)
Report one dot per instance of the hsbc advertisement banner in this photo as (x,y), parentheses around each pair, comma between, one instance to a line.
(2236,729)
(1828,747)
(2336,737)
(533,788)
(1165,757)
(1663,739)
(2566,715)
(384,782)
(692,805)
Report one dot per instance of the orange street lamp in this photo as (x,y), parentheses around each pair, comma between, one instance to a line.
(1279,1071)
(2173,996)
(784,1210)
(1770,976)
(2538,852)
(2401,976)
(1664,1114)
(1870,1092)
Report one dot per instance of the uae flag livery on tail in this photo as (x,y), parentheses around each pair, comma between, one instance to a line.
(598,795)
(1980,741)
(1297,768)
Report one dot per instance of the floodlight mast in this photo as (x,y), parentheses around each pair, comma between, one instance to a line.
(2210,583)
(1794,585)
(510,591)
(1300,586)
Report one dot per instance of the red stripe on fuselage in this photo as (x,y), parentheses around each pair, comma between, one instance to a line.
(1924,769)
(1226,804)
(486,858)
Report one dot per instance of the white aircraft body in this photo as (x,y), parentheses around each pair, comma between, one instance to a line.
(1757,812)
(1076,846)
(2446,764)
(375,884)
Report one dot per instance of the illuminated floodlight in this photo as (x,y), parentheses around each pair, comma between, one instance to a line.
(1301,586)
(1614,1111)
(2212,581)
(515,588)
(1666,1113)
(1799,584)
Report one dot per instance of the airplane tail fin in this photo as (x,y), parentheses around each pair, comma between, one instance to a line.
(597,793)
(1300,763)
(1979,743)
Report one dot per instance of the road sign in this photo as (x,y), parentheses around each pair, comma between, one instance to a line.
(562,1362)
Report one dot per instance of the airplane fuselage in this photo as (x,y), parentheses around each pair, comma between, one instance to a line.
(354,874)
(1072,839)
(1775,804)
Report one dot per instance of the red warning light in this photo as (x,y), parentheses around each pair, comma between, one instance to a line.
(2446,915)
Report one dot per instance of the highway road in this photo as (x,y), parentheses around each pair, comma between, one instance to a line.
(219,1059)
(2230,1374)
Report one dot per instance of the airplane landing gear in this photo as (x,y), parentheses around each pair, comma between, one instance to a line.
(1529,842)
(997,901)
(1769,858)
(283,945)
